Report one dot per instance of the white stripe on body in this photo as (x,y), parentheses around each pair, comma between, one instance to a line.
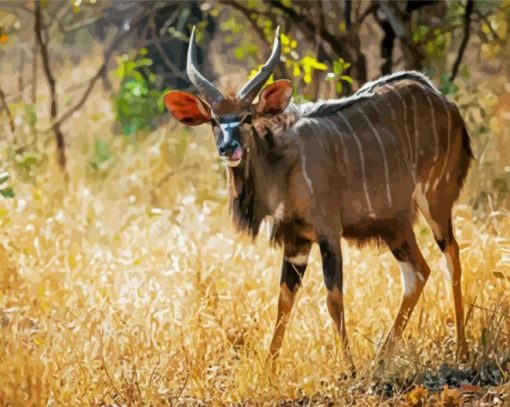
(434,126)
(386,172)
(447,147)
(319,136)
(408,136)
(333,127)
(389,132)
(374,106)
(362,159)
(397,129)
(436,137)
(416,133)
(321,139)
(302,157)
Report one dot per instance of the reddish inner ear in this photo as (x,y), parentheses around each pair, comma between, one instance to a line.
(187,108)
(274,98)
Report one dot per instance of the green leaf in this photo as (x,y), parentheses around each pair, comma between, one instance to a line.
(32,115)
(7,192)
(102,151)
(4,176)
(27,158)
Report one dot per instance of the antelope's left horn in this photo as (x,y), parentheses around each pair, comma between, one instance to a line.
(204,86)
(252,88)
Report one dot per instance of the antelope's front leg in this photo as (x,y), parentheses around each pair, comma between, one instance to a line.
(333,278)
(293,268)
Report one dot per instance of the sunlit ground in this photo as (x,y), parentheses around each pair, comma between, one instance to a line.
(131,287)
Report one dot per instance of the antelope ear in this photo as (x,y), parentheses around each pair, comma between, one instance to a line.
(274,98)
(187,108)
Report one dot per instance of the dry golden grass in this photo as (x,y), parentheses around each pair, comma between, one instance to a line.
(115,292)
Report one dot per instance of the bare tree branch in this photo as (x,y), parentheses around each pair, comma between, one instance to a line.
(21,83)
(7,110)
(35,52)
(369,10)
(247,12)
(347,14)
(467,25)
(66,30)
(121,35)
(157,43)
(484,17)
(59,137)
(25,8)
(333,46)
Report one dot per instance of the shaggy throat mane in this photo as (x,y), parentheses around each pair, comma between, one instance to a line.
(266,156)
(243,200)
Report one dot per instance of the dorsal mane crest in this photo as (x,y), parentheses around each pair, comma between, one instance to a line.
(411,75)
(326,107)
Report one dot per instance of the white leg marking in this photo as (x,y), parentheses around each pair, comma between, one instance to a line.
(448,266)
(279,212)
(447,147)
(408,137)
(376,134)
(362,159)
(408,278)
(299,259)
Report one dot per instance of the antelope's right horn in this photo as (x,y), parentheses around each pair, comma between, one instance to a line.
(252,88)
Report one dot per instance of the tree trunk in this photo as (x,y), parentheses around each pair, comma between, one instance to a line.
(59,136)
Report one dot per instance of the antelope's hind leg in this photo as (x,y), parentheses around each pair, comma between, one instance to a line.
(440,221)
(415,273)
(293,269)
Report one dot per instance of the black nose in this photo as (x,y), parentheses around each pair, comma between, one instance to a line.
(228,148)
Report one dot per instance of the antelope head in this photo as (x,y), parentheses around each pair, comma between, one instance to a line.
(231,117)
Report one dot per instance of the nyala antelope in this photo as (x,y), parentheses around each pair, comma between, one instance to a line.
(358,167)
